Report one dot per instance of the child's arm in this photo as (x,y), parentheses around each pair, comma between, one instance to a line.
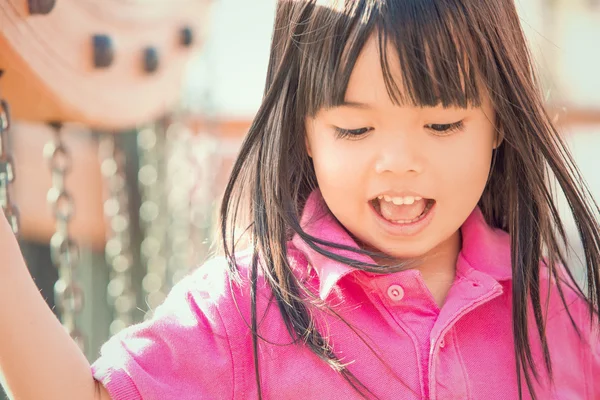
(38,359)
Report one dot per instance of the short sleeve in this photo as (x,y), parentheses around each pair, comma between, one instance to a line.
(182,353)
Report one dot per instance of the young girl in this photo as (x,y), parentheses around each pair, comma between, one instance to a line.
(403,241)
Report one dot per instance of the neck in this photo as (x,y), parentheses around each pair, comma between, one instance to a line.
(440,263)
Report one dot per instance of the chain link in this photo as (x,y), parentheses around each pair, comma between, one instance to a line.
(208,156)
(7,170)
(63,248)
(153,217)
(181,179)
(178,183)
(118,250)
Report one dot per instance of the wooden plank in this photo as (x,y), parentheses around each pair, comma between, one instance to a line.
(48,59)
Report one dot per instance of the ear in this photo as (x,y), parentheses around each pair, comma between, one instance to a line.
(498,140)
(307,145)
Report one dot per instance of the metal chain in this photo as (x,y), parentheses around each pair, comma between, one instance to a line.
(168,174)
(118,245)
(181,178)
(194,173)
(63,248)
(7,170)
(153,217)
(208,157)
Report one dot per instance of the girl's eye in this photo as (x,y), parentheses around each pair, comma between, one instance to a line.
(445,129)
(351,133)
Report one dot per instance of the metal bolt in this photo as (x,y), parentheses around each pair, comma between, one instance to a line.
(186,36)
(150,59)
(40,7)
(103,51)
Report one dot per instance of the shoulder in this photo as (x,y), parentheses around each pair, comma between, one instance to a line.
(568,310)
(561,280)
(224,288)
(556,284)
(212,277)
(572,327)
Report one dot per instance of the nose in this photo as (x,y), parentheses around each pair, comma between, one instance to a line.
(400,154)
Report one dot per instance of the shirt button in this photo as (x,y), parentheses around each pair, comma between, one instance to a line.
(395,292)
(442,343)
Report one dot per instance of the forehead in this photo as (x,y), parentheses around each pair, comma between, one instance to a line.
(367,80)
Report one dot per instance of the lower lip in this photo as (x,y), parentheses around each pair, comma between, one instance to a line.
(410,229)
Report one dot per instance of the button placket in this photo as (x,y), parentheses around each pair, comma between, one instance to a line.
(494,290)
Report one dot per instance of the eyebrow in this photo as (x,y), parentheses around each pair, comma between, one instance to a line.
(355,104)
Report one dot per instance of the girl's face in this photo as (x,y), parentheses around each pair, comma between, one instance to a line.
(403,154)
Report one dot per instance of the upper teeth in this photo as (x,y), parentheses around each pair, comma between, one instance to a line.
(400,200)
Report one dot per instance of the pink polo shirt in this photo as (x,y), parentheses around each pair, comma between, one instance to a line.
(198,345)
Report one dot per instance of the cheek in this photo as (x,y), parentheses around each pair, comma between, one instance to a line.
(464,167)
(338,164)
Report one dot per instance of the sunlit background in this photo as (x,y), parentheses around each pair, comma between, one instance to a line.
(145,198)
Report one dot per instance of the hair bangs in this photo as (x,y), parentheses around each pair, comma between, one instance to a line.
(424,60)
(330,43)
(435,60)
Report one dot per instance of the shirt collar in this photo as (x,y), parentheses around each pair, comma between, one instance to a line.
(485,249)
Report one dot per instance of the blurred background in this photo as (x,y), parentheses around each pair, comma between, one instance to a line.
(148,104)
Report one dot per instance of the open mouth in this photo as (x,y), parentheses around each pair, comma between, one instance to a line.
(402,210)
